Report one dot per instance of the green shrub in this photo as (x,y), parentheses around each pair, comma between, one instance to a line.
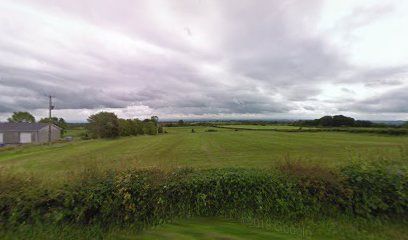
(151,196)
(376,191)
(211,130)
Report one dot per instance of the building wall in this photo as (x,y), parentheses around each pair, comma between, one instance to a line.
(11,137)
(43,134)
(14,137)
(36,137)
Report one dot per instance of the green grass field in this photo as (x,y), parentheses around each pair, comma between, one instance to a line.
(224,148)
(221,229)
(210,228)
(204,229)
(220,149)
(280,127)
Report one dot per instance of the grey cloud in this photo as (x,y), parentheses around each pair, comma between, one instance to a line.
(184,57)
(394,101)
(346,90)
(364,15)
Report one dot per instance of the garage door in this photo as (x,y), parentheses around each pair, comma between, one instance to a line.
(1,138)
(25,137)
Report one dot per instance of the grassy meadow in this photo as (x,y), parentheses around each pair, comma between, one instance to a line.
(256,127)
(209,197)
(221,149)
(219,228)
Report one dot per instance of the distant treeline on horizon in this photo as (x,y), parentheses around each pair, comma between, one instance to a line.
(326,121)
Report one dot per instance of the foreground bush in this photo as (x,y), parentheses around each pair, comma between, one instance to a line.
(151,197)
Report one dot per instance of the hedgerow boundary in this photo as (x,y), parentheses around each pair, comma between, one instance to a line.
(150,197)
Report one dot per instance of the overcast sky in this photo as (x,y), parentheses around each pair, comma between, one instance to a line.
(205,58)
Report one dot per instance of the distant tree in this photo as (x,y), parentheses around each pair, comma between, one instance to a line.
(126,127)
(181,123)
(361,123)
(326,121)
(103,125)
(340,120)
(138,126)
(155,119)
(334,121)
(21,117)
(150,128)
(160,129)
(60,122)
(405,125)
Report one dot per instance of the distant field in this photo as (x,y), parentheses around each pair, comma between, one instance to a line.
(264,127)
(180,147)
(224,148)
(76,133)
(288,127)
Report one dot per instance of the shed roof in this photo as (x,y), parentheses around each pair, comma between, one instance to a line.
(22,127)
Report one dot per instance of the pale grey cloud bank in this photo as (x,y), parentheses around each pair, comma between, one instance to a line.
(208,59)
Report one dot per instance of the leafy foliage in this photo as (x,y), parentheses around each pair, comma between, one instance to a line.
(335,121)
(150,196)
(108,125)
(103,125)
(60,122)
(22,117)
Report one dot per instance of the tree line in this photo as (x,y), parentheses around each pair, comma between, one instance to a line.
(99,125)
(336,121)
(108,125)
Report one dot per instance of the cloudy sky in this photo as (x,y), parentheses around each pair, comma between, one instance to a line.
(205,58)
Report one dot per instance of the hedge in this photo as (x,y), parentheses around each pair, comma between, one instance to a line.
(151,196)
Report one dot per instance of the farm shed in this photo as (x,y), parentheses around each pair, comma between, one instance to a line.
(20,133)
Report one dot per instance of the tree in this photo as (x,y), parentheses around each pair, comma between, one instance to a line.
(138,126)
(60,122)
(22,117)
(326,121)
(181,123)
(340,120)
(363,123)
(160,129)
(150,128)
(126,127)
(405,125)
(155,119)
(103,125)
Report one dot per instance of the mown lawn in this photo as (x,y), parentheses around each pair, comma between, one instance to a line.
(210,228)
(220,149)
(220,229)
(224,148)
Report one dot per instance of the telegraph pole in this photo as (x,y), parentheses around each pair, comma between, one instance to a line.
(50,107)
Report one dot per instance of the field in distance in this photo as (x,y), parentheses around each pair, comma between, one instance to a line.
(203,149)
(280,127)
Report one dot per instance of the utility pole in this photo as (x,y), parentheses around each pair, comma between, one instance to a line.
(50,107)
